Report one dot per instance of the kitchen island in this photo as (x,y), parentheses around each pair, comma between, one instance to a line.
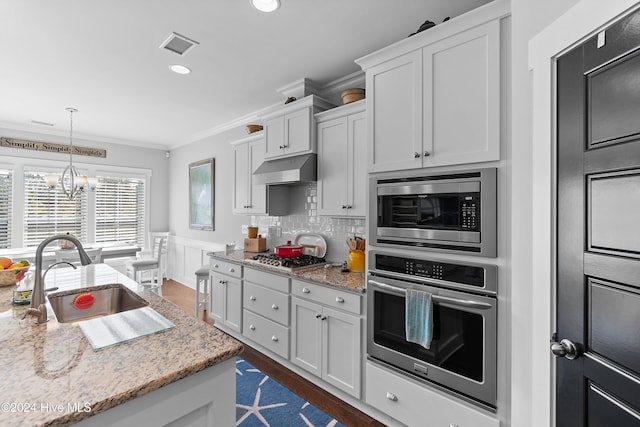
(51,376)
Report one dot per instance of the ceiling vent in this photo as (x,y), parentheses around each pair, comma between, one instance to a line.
(179,44)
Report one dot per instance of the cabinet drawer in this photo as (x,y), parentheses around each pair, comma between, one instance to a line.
(266,302)
(327,295)
(413,404)
(266,333)
(270,280)
(225,267)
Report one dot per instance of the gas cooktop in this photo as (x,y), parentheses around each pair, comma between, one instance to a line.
(304,262)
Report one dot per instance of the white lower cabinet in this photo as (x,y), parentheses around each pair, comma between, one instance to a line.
(226,301)
(267,333)
(266,310)
(326,341)
(225,298)
(416,405)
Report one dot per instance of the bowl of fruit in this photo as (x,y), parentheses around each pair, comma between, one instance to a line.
(11,272)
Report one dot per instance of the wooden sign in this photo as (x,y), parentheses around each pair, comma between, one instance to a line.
(51,147)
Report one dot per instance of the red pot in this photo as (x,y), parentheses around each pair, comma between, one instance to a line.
(289,250)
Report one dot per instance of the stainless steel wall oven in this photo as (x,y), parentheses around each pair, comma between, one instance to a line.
(462,354)
(445,212)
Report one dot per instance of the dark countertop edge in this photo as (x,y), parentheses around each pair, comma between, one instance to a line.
(293,275)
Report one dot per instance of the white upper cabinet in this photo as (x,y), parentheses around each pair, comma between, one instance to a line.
(248,198)
(434,99)
(394,97)
(342,150)
(290,129)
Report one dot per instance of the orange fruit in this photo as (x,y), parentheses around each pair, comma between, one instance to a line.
(5,262)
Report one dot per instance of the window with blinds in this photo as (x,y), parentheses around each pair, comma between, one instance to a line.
(120,210)
(48,212)
(5,208)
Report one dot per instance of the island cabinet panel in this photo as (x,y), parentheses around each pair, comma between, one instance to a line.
(206,398)
(324,340)
(342,171)
(438,104)
(415,404)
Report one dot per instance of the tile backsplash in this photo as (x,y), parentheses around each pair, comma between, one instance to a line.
(304,219)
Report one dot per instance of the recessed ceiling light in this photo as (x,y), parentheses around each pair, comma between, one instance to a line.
(180,69)
(266,5)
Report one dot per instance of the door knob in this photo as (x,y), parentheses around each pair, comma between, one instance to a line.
(565,348)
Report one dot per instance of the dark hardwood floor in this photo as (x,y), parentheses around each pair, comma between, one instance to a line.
(184,297)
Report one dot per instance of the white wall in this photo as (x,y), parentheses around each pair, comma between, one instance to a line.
(188,246)
(121,155)
(529,406)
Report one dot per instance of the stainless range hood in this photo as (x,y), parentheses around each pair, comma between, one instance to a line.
(290,170)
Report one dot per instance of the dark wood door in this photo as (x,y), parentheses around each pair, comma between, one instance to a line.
(598,230)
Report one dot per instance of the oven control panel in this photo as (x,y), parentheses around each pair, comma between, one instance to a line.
(455,273)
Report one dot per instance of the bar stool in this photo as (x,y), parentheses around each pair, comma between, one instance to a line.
(202,277)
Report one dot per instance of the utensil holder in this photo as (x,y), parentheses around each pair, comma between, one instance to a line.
(355,263)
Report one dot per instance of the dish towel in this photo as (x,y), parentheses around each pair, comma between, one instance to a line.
(419,317)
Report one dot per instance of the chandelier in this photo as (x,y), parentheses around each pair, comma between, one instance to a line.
(71,181)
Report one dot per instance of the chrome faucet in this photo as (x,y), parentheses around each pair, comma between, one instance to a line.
(38,307)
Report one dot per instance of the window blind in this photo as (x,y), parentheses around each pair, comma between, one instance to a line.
(48,211)
(120,209)
(6,186)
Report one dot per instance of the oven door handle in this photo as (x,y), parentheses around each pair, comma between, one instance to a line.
(436,298)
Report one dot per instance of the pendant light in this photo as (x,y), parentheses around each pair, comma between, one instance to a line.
(71,181)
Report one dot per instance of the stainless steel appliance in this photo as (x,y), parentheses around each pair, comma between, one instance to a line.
(452,212)
(462,355)
(304,262)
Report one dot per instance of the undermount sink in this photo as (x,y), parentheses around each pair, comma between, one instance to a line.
(96,301)
(108,314)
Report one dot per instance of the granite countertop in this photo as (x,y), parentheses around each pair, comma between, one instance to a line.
(328,275)
(47,368)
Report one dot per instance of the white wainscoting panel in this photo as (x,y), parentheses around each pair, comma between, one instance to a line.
(185,256)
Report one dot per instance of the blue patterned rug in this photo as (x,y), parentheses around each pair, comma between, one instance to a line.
(262,401)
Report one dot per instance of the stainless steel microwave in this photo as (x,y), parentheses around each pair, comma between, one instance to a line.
(444,212)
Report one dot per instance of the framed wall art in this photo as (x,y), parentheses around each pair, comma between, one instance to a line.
(202,195)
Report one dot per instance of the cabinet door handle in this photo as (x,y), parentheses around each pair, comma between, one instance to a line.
(216,266)
(344,206)
(274,338)
(318,316)
(305,290)
(339,299)
(392,397)
(323,318)
(349,207)
(231,270)
(223,282)
(426,153)
(274,306)
(252,298)
(252,327)
(416,155)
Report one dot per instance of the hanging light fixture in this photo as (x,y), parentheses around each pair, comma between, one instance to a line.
(71,181)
